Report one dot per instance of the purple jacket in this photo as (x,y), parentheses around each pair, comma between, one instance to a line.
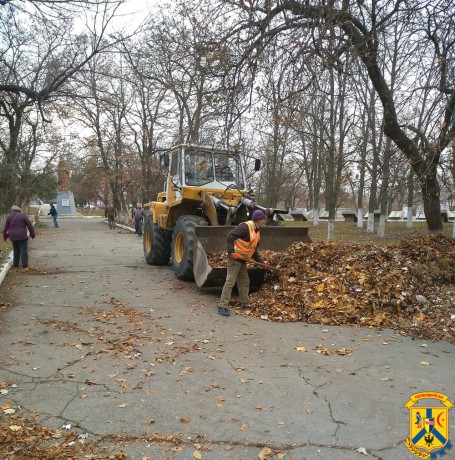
(138,214)
(18,223)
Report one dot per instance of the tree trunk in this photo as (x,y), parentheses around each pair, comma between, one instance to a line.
(330,230)
(410,198)
(431,202)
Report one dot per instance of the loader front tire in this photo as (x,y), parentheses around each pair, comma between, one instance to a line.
(182,246)
(157,244)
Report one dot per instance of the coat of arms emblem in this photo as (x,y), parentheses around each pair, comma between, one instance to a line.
(428,424)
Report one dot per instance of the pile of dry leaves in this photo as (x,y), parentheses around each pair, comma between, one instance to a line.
(409,286)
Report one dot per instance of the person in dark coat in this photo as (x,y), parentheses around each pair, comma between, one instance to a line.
(54,214)
(16,226)
(111,213)
(139,217)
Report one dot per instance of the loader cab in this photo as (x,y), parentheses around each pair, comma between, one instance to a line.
(212,168)
(173,186)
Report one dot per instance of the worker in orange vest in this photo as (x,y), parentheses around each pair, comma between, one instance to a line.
(242,245)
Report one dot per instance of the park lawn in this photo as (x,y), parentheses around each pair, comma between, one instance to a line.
(347,232)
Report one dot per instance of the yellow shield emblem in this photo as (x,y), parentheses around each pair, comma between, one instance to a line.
(428,425)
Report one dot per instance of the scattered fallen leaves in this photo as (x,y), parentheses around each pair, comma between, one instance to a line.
(344,351)
(70,438)
(27,438)
(15,427)
(266,453)
(323,351)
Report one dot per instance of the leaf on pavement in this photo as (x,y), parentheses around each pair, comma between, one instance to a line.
(266,453)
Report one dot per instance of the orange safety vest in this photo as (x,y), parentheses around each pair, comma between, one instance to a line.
(245,249)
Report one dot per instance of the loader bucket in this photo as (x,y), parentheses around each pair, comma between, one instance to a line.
(213,239)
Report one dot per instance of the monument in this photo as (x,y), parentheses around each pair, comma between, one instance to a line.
(65,198)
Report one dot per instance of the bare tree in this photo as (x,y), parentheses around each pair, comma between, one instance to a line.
(39,57)
(146,121)
(335,137)
(102,108)
(359,22)
(179,56)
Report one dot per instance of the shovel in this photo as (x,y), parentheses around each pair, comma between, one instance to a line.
(265,267)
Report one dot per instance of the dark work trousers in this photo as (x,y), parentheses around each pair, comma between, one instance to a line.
(20,252)
(138,227)
(237,272)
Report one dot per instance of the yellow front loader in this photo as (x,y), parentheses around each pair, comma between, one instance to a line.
(205,196)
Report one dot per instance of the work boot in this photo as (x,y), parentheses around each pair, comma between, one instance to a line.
(223,311)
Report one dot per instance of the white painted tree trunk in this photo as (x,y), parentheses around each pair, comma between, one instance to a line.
(330,230)
(360,218)
(370,223)
(409,218)
(381,227)
(315,217)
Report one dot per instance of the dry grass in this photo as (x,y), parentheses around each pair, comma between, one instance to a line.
(347,232)
(5,246)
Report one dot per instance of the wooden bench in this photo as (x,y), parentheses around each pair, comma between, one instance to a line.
(324,215)
(395,215)
(298,216)
(284,217)
(349,215)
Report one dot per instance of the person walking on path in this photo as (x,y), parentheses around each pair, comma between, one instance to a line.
(111,213)
(54,214)
(242,243)
(16,226)
(138,216)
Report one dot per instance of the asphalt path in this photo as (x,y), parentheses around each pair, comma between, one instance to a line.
(129,355)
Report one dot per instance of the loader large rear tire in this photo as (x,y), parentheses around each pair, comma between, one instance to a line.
(157,244)
(182,246)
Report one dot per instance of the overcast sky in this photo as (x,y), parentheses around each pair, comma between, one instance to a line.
(133,12)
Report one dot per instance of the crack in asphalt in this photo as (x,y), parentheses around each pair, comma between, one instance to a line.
(178,440)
